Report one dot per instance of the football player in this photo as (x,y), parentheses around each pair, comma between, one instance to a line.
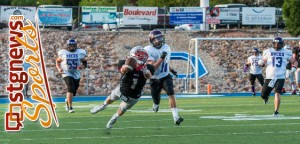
(296,55)
(255,69)
(69,63)
(159,56)
(289,74)
(276,60)
(133,80)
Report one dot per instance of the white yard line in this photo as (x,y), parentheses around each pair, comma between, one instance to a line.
(172,135)
(125,128)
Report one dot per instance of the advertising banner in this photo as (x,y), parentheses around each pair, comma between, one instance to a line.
(186,15)
(216,15)
(27,12)
(258,16)
(55,16)
(99,15)
(140,15)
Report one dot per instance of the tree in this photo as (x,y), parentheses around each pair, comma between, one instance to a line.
(291,13)
(168,3)
(275,3)
(5,2)
(216,2)
(103,2)
(23,2)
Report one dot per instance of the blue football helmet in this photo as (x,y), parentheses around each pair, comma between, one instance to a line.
(278,43)
(156,39)
(72,45)
(256,51)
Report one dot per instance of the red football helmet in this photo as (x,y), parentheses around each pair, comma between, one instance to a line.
(140,54)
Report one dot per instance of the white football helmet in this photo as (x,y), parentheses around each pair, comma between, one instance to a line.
(139,54)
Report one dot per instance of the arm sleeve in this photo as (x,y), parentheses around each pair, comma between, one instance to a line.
(120,64)
(151,68)
(82,53)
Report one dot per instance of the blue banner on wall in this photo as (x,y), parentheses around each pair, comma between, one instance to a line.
(55,16)
(202,71)
(186,15)
(186,18)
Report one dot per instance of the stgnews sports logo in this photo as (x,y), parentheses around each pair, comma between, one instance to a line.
(25,38)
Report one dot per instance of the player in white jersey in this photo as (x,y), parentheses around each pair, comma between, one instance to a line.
(255,70)
(276,60)
(69,63)
(159,56)
(290,75)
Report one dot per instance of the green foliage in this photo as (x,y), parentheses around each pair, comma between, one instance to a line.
(291,13)
(276,3)
(169,3)
(5,2)
(103,2)
(23,2)
(216,2)
(49,2)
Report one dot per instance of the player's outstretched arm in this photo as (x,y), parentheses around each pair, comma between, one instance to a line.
(129,65)
(58,67)
(159,61)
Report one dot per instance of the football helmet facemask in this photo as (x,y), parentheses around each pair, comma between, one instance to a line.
(139,54)
(72,45)
(156,39)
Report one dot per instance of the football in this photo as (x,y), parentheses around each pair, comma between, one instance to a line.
(260,62)
(131,61)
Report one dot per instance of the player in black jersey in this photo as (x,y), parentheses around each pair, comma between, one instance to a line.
(131,84)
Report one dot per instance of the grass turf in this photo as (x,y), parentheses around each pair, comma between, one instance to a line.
(207,120)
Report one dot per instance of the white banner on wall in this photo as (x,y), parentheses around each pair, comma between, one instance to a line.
(258,16)
(140,15)
(27,12)
(229,14)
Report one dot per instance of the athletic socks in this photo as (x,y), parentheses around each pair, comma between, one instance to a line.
(175,113)
(253,89)
(293,87)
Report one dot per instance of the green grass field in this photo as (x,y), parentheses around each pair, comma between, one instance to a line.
(224,120)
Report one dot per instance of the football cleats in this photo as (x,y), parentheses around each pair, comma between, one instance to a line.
(156,39)
(72,45)
(278,43)
(139,54)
